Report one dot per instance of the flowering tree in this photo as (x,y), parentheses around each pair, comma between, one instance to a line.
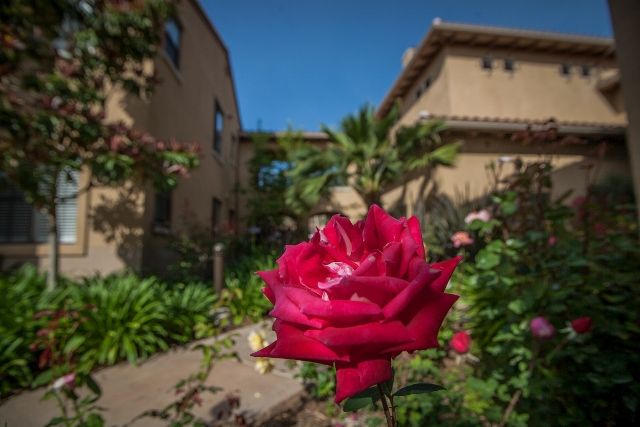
(60,61)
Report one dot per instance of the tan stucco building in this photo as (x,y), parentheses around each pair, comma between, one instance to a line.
(109,229)
(489,84)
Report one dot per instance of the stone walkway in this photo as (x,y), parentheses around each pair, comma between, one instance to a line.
(129,390)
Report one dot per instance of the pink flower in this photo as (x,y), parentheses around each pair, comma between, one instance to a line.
(482,215)
(461,238)
(461,342)
(541,328)
(552,241)
(581,325)
(357,295)
(65,381)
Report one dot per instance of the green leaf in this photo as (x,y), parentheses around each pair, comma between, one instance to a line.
(487,260)
(361,400)
(42,379)
(93,385)
(74,343)
(419,388)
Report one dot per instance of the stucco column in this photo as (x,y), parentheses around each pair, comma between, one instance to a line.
(625,15)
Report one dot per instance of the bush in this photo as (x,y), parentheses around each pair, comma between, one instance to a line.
(243,287)
(99,321)
(540,257)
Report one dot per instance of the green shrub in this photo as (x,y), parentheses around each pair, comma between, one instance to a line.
(124,319)
(243,295)
(98,321)
(539,257)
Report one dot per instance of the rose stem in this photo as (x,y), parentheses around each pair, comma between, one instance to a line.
(387,414)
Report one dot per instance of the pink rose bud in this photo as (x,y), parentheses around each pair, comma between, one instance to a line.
(461,342)
(541,328)
(552,241)
(354,295)
(581,325)
(461,238)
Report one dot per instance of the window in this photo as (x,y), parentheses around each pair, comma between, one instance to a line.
(232,220)
(172,36)
(218,128)
(585,70)
(565,69)
(418,93)
(21,223)
(427,83)
(508,64)
(162,212)
(487,63)
(216,213)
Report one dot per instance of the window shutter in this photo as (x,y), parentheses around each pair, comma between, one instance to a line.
(67,209)
(15,216)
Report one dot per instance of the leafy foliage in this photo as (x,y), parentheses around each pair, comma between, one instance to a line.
(101,321)
(367,153)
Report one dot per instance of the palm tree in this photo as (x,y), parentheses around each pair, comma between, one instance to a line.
(364,154)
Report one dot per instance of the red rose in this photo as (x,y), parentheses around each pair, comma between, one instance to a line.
(542,328)
(356,296)
(461,342)
(581,325)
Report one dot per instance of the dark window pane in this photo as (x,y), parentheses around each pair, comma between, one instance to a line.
(172,36)
(508,64)
(218,128)
(565,69)
(585,70)
(162,213)
(216,213)
(487,63)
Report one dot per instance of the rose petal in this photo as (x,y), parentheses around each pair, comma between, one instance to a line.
(380,228)
(424,318)
(377,289)
(373,334)
(341,312)
(395,307)
(291,343)
(287,310)
(447,267)
(414,229)
(353,378)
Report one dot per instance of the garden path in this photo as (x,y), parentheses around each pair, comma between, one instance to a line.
(129,390)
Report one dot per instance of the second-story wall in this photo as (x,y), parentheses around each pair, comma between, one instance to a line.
(535,90)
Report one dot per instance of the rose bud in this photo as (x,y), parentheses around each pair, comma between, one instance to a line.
(461,342)
(355,296)
(581,325)
(461,238)
(541,328)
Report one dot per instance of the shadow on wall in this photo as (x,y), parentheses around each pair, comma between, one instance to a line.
(119,220)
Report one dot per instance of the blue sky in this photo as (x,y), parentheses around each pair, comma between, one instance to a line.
(307,62)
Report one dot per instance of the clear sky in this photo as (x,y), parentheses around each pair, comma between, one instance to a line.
(307,62)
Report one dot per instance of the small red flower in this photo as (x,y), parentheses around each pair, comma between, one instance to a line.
(461,342)
(541,328)
(552,241)
(581,325)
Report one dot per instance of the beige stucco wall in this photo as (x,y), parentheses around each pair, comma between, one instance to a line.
(469,179)
(183,107)
(535,90)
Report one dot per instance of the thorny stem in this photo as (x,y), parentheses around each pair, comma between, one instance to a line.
(387,413)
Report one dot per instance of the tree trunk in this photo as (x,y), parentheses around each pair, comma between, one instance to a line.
(54,250)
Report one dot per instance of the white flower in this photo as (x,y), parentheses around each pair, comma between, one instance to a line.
(482,215)
(65,381)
